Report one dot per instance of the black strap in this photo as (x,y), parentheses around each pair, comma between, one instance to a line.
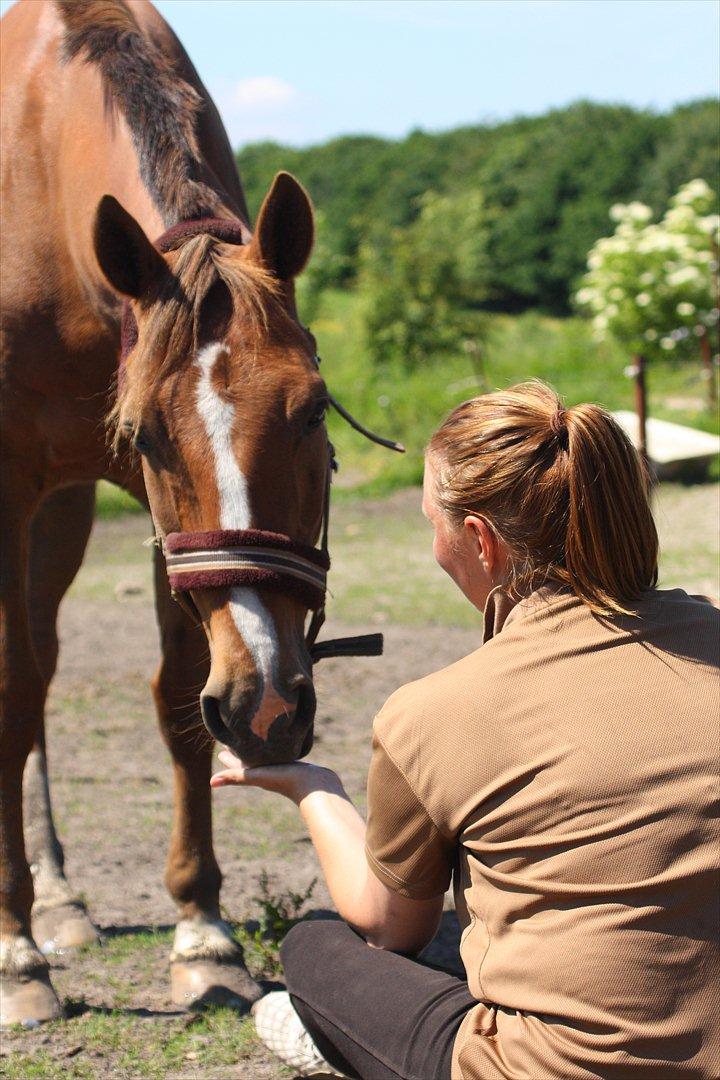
(359,645)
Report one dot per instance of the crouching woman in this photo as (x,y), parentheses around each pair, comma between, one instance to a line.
(562,776)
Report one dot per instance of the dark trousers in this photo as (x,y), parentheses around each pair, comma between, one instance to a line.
(374,1015)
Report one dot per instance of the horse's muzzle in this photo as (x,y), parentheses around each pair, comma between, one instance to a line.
(288,737)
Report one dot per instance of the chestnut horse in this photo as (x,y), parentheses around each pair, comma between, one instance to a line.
(109,141)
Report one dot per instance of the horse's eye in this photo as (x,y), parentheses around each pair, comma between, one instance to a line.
(141,441)
(317,416)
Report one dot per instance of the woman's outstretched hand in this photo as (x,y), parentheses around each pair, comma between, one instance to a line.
(294,781)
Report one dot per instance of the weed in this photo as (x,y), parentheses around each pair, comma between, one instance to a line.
(278,914)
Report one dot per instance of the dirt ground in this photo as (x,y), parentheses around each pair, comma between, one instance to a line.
(111,787)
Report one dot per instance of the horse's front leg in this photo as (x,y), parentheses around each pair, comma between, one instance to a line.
(26,994)
(58,538)
(207,965)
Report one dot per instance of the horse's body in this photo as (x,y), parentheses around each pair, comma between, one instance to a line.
(100,98)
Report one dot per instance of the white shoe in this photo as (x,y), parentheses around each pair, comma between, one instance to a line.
(281,1030)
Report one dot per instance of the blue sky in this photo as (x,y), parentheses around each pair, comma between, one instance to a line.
(301,71)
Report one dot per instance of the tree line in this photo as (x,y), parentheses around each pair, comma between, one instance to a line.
(538,189)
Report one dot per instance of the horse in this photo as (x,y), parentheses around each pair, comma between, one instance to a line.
(150,337)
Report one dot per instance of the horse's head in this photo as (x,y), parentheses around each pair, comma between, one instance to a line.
(221,397)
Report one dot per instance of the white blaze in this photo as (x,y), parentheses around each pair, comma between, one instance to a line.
(218,417)
(249,614)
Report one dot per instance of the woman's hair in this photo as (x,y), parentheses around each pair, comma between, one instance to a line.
(564,489)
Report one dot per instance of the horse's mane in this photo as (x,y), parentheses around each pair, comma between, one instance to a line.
(159,105)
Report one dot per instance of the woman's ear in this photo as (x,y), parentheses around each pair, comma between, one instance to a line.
(284,232)
(482,539)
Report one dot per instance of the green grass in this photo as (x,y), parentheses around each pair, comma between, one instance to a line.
(141,1048)
(112,502)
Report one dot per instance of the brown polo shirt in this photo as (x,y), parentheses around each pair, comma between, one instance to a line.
(565,777)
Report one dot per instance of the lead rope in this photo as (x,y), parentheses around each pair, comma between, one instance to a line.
(358,644)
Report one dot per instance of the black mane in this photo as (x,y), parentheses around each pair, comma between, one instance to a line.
(159,105)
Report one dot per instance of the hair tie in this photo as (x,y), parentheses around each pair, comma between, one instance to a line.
(557,422)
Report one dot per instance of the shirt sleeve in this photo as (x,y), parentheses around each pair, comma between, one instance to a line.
(404,848)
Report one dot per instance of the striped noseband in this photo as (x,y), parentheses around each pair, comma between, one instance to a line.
(251,557)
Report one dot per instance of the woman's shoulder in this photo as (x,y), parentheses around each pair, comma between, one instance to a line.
(420,708)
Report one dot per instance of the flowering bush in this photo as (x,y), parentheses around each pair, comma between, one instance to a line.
(654,286)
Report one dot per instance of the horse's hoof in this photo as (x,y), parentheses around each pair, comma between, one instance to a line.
(60,928)
(27,1000)
(195,984)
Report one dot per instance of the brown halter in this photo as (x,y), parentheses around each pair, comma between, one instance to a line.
(254,557)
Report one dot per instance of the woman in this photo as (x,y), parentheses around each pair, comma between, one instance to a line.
(562,776)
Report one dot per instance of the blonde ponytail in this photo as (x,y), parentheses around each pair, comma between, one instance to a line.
(563,488)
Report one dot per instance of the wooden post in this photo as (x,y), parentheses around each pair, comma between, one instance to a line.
(641,404)
(708,369)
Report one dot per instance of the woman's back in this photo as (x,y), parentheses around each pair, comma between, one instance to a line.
(573,759)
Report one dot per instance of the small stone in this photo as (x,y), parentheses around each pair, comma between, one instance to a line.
(30,1025)
(125,590)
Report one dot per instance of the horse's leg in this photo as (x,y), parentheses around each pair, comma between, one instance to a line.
(27,994)
(58,538)
(206,964)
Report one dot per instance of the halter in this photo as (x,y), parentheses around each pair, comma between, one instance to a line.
(226,558)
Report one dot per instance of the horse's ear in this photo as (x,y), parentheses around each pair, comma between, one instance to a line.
(127,258)
(283,236)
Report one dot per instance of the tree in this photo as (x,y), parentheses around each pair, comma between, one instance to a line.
(654,286)
(425,284)
(547,182)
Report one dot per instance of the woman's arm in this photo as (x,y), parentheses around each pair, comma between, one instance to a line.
(385,919)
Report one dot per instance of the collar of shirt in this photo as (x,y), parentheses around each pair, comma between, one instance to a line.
(501,609)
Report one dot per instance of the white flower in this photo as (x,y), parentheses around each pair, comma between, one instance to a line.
(650,335)
(647,278)
(585,295)
(683,276)
(594,260)
(618,211)
(685,308)
(643,299)
(680,217)
(639,212)
(616,293)
(667,344)
(695,189)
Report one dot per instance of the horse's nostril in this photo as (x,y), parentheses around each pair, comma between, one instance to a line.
(307,702)
(210,708)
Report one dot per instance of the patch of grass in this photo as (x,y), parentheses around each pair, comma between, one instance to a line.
(118,1044)
(117,949)
(43,1065)
(112,502)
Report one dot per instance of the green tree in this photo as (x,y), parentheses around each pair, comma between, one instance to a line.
(547,182)
(424,285)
